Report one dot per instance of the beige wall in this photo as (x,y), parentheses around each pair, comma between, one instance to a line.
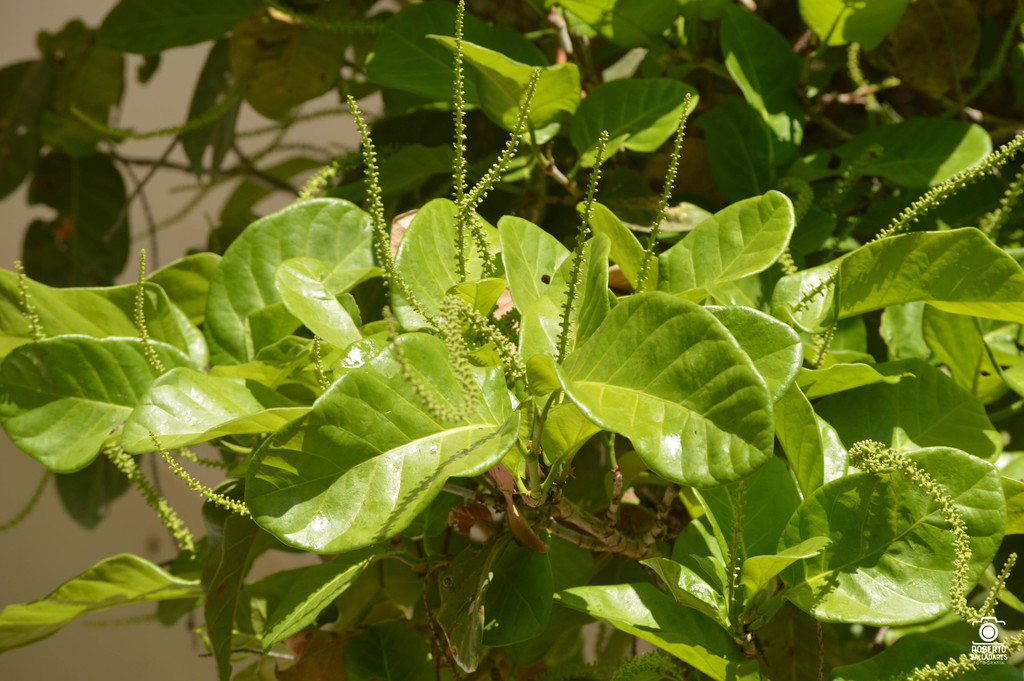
(48,547)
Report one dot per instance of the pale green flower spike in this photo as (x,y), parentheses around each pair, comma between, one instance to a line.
(28,308)
(318,365)
(666,193)
(140,317)
(734,546)
(196,486)
(834,199)
(480,324)
(994,220)
(126,463)
(316,184)
(821,343)
(577,254)
(460,114)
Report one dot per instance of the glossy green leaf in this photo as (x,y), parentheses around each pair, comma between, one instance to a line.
(812,447)
(531,257)
(839,377)
(1013,491)
(518,602)
(187,283)
(463,587)
(184,407)
(757,571)
(501,84)
(838,22)
(24,88)
(689,589)
(392,651)
(96,312)
(924,409)
(86,494)
(120,580)
(644,611)
(638,114)
(914,651)
(310,591)
(373,464)
(626,251)
(891,557)
(956,341)
(405,58)
(767,71)
(737,241)
(772,346)
(666,374)
(332,230)
(300,283)
(148,28)
(902,333)
(279,65)
(627,23)
(428,262)
(215,81)
(919,152)
(62,398)
(566,430)
(745,156)
(232,548)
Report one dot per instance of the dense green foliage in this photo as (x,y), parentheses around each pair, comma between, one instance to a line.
(751,395)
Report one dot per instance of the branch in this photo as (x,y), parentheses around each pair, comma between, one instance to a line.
(605,538)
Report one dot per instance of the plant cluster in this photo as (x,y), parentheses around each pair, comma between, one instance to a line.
(788,416)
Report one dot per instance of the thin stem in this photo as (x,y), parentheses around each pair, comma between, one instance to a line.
(32,501)
(123,214)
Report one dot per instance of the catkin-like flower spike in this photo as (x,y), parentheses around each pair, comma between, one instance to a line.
(140,317)
(666,193)
(734,545)
(317,183)
(485,327)
(318,365)
(28,308)
(821,343)
(459,105)
(832,201)
(577,253)
(126,463)
(196,486)
(857,76)
(993,221)
(936,195)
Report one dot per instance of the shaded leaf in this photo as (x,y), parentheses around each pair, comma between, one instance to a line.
(86,494)
(914,651)
(187,283)
(838,22)
(24,90)
(148,28)
(392,651)
(745,156)
(215,81)
(812,447)
(518,603)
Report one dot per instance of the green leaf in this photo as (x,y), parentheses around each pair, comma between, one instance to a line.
(530,256)
(913,651)
(24,89)
(817,383)
(518,601)
(772,346)
(232,548)
(412,165)
(757,571)
(643,611)
(924,409)
(215,81)
(838,22)
(626,250)
(745,156)
(405,58)
(638,114)
(767,71)
(627,23)
(187,283)
(501,84)
(301,284)
(463,587)
(310,590)
(668,375)
(743,239)
(332,230)
(184,407)
(62,398)
(812,447)
(392,651)
(357,446)
(72,248)
(891,557)
(86,494)
(148,28)
(689,589)
(1013,491)
(428,262)
(119,580)
(919,152)
(956,341)
(901,330)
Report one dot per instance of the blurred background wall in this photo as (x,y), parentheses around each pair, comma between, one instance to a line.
(47,548)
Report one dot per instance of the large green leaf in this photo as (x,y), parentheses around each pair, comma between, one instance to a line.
(86,494)
(767,72)
(373,454)
(331,230)
(637,114)
(96,312)
(910,653)
(891,557)
(625,250)
(627,23)
(839,377)
(24,87)
(214,84)
(666,374)
(745,155)
(956,341)
(924,409)
(62,398)
(185,406)
(151,27)
(187,283)
(812,447)
(392,651)
(518,602)
(530,256)
(463,586)
(304,286)
(501,84)
(737,241)
(690,590)
(757,571)
(644,611)
(772,346)
(919,152)
(119,580)
(838,22)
